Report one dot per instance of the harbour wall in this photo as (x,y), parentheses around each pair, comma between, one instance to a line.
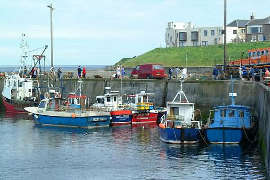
(205,95)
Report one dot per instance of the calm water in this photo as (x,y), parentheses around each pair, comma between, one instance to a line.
(31,152)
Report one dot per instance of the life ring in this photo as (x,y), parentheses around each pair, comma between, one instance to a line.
(73,115)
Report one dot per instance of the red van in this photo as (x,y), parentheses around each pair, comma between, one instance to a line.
(149,71)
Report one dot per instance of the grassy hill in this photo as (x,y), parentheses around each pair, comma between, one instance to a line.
(196,56)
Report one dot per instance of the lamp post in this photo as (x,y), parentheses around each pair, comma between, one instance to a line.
(225,33)
(51,27)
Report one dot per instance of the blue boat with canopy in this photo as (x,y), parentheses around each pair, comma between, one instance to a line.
(228,124)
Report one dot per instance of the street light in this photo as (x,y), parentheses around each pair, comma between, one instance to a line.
(51,27)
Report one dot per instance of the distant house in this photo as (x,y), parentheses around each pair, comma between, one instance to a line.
(236,31)
(258,29)
(180,34)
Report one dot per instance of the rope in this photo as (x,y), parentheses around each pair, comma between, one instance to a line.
(244,129)
(203,138)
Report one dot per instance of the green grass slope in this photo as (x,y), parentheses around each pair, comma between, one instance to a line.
(196,56)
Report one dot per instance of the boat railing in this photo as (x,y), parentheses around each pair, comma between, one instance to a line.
(176,117)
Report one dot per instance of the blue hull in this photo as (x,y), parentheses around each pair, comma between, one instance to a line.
(82,122)
(118,120)
(224,135)
(179,135)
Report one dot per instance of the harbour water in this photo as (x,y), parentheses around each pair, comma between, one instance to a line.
(28,151)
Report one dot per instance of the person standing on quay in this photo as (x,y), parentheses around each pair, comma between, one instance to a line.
(170,73)
(84,72)
(122,72)
(79,71)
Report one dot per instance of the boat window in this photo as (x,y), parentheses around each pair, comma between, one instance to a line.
(100,100)
(241,113)
(223,113)
(262,53)
(108,99)
(231,114)
(258,53)
(42,104)
(114,98)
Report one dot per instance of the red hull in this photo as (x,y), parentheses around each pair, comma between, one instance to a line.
(144,118)
(13,108)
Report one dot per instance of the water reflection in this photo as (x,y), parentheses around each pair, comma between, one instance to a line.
(28,151)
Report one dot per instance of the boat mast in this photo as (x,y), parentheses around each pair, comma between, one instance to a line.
(51,28)
(232,94)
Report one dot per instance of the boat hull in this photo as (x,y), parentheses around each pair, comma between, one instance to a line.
(14,107)
(142,118)
(81,122)
(179,135)
(121,117)
(224,135)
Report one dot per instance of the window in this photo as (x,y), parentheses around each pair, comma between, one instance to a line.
(205,43)
(182,36)
(234,31)
(258,53)
(266,52)
(262,53)
(157,67)
(181,44)
(253,54)
(42,104)
(241,113)
(205,32)
(223,113)
(253,38)
(231,114)
(114,98)
(249,54)
(243,31)
(212,32)
(108,99)
(194,36)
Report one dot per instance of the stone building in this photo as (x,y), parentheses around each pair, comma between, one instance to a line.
(258,29)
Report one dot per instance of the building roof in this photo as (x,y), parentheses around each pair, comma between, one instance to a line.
(259,21)
(238,23)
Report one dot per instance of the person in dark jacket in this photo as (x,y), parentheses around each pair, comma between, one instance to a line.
(79,72)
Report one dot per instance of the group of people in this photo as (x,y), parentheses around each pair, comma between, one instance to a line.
(120,72)
(81,72)
(177,71)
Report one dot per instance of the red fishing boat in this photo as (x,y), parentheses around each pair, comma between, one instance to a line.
(143,113)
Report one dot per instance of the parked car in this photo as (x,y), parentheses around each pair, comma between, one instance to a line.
(149,71)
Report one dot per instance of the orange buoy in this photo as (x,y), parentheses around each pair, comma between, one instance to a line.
(73,115)
(161,125)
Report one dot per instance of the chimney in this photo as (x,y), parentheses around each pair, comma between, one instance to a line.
(252,17)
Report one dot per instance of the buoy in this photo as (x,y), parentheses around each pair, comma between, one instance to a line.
(73,115)
(161,125)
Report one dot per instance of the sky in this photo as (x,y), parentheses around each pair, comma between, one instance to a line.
(101,32)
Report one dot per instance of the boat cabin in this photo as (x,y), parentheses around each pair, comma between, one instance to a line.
(235,116)
(76,101)
(141,101)
(18,88)
(110,99)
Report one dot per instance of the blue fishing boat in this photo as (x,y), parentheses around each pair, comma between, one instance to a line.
(53,111)
(179,126)
(226,124)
